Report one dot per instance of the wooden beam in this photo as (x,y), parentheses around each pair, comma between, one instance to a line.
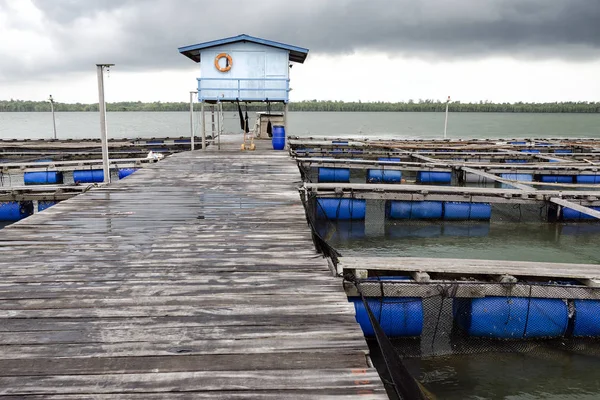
(473,267)
(511,182)
(576,207)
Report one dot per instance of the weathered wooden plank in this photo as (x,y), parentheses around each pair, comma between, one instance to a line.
(473,267)
(576,207)
(202,381)
(196,275)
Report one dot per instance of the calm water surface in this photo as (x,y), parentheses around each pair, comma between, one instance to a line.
(554,376)
(400,125)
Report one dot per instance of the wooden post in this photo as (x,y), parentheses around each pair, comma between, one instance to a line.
(192,119)
(102,109)
(212,125)
(286,109)
(203,126)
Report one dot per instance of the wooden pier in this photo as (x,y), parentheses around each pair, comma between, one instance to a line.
(193,278)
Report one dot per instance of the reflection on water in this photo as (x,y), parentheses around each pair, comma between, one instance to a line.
(542,242)
(551,374)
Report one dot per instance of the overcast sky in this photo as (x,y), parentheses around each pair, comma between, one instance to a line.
(369,50)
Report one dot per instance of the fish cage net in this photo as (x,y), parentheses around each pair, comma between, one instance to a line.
(454,315)
(449,318)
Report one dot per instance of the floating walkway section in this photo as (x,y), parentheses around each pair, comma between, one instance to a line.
(193,278)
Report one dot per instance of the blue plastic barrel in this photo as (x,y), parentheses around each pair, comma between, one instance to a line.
(518,177)
(397,316)
(434,177)
(42,205)
(532,151)
(587,179)
(515,161)
(413,209)
(466,211)
(570,214)
(125,172)
(556,178)
(385,176)
(327,174)
(278,138)
(587,318)
(341,209)
(88,176)
(15,210)
(511,317)
(518,143)
(43,178)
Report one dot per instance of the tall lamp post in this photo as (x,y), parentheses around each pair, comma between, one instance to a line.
(51,100)
(102,108)
(446,122)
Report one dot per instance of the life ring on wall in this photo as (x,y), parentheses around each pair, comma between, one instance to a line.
(228,62)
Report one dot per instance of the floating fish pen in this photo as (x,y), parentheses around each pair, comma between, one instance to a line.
(431,190)
(18,150)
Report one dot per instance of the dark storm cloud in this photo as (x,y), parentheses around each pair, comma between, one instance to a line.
(145,34)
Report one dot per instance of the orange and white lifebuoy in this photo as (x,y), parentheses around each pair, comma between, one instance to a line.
(228,62)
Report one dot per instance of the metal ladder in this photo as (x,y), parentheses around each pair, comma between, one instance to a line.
(216,124)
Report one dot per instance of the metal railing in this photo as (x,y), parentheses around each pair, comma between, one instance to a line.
(244,89)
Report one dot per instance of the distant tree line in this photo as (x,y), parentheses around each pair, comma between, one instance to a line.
(320,105)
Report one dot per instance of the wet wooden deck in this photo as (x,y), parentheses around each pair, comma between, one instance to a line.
(193,278)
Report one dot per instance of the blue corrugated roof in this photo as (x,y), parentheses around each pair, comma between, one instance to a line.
(297,54)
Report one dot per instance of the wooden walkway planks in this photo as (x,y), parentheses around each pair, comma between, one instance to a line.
(194,276)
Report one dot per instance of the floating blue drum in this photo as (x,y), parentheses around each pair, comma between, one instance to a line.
(88,176)
(532,151)
(511,317)
(341,209)
(397,316)
(413,209)
(42,205)
(334,174)
(570,214)
(556,178)
(278,139)
(563,151)
(587,318)
(587,179)
(434,177)
(515,177)
(344,142)
(518,143)
(182,141)
(125,172)
(465,211)
(515,161)
(385,176)
(43,178)
(15,210)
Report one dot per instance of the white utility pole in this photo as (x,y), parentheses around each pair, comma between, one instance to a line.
(192,117)
(102,108)
(51,100)
(446,122)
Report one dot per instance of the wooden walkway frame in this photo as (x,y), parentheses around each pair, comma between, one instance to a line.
(193,278)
